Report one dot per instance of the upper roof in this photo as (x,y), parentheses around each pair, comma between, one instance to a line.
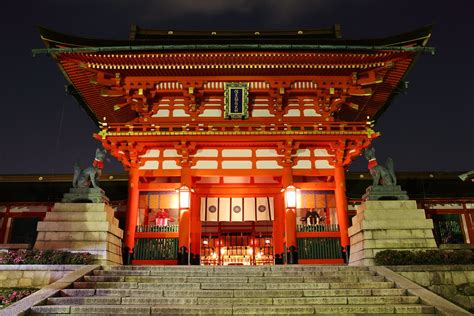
(149,37)
(317,52)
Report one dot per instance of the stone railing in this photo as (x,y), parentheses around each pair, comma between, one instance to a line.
(453,282)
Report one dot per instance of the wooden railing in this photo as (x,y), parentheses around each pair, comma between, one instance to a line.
(323,127)
(156,249)
(157,229)
(318,228)
(319,248)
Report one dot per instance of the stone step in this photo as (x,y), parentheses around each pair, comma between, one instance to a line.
(240,269)
(333,309)
(77,292)
(113,285)
(136,285)
(115,300)
(335,292)
(323,274)
(320,273)
(231,293)
(85,300)
(233,279)
(355,300)
(328,285)
(201,293)
(132,310)
(233,286)
(171,286)
(91,310)
(346,279)
(105,278)
(354,292)
(267,293)
(121,272)
(363,285)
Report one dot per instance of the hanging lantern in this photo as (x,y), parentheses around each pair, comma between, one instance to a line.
(290,197)
(184,197)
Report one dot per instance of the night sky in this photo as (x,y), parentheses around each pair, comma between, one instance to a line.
(44,131)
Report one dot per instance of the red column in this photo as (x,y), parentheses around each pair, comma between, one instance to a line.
(291,245)
(183,243)
(184,221)
(341,207)
(195,230)
(279,229)
(132,214)
(290,221)
(470,228)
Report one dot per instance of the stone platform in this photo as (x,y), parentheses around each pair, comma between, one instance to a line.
(383,225)
(82,227)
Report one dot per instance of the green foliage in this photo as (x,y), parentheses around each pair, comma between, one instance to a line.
(406,257)
(23,256)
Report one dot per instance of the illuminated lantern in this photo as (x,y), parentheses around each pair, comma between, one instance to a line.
(184,197)
(290,197)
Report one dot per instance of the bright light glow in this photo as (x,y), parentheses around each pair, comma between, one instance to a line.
(290,197)
(267,241)
(184,197)
(205,242)
(223,250)
(250,251)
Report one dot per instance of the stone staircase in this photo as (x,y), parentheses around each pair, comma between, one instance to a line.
(262,290)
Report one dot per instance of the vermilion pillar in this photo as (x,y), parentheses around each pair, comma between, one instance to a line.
(184,220)
(341,208)
(291,245)
(290,221)
(183,243)
(279,229)
(132,214)
(195,230)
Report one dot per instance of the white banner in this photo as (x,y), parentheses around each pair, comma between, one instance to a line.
(224,209)
(211,209)
(249,209)
(237,209)
(263,209)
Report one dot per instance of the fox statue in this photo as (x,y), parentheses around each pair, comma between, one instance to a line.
(381,175)
(83,178)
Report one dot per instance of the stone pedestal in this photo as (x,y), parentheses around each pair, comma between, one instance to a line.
(82,227)
(85,195)
(385,192)
(383,225)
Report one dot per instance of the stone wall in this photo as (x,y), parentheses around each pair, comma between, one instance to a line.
(453,282)
(32,276)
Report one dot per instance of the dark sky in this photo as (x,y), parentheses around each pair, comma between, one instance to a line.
(44,131)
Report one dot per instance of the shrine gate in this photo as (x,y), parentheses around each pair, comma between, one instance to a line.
(236,143)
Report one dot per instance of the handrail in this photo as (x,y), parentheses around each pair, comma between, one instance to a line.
(154,129)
